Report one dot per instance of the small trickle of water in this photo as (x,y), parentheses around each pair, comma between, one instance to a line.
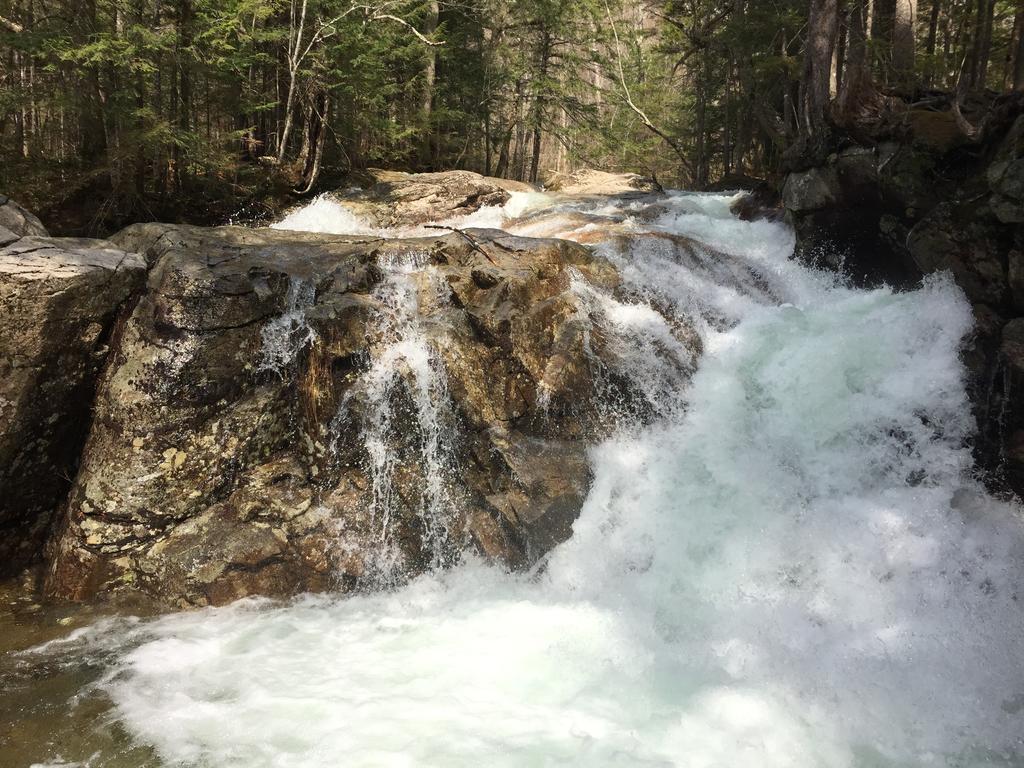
(285,336)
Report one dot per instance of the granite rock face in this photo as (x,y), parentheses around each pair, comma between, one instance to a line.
(286,411)
(59,299)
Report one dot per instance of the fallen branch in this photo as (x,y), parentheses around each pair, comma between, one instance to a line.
(423,39)
(12,26)
(472,242)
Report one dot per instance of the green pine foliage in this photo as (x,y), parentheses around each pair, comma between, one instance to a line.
(130,109)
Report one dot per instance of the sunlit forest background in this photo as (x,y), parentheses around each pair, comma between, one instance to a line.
(121,108)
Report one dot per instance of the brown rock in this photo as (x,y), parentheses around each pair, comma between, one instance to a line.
(591,182)
(58,302)
(272,422)
(397,200)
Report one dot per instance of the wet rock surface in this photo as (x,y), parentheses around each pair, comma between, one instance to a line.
(287,411)
(59,299)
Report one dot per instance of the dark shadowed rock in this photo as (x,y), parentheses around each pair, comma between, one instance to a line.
(1006,176)
(58,302)
(963,240)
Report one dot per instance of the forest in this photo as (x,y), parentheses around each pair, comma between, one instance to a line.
(119,110)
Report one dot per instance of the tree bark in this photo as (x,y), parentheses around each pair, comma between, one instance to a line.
(970,79)
(933,32)
(429,79)
(882,27)
(295,41)
(985,51)
(822,25)
(857,89)
(904,21)
(540,104)
(1018,62)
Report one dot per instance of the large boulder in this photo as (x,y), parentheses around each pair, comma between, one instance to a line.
(396,200)
(287,411)
(17,221)
(58,302)
(590,182)
(853,214)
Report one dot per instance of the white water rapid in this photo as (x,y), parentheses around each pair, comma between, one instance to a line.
(791,567)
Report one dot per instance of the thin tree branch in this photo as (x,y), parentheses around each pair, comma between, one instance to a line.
(629,97)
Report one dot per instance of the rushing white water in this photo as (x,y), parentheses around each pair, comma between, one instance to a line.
(795,569)
(407,359)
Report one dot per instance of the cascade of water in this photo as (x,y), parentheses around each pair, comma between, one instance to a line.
(794,571)
(285,336)
(643,351)
(405,363)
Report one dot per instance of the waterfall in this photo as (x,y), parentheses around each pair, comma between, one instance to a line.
(788,566)
(406,359)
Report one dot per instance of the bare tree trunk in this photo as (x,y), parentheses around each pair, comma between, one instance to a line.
(904,21)
(487,137)
(540,104)
(309,131)
(882,26)
(429,78)
(933,31)
(822,25)
(297,29)
(185,78)
(857,89)
(312,171)
(839,59)
(970,78)
(985,50)
(1018,62)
